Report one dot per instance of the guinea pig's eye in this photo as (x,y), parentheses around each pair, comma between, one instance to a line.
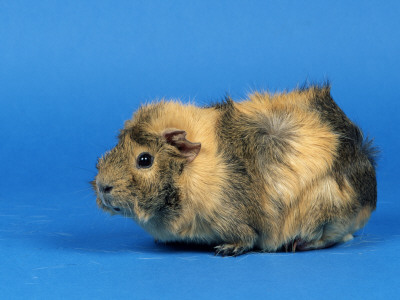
(144,160)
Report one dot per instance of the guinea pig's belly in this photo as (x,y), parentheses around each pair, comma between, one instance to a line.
(159,232)
(188,234)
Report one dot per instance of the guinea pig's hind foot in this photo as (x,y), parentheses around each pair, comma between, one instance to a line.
(231,249)
(292,246)
(321,244)
(347,237)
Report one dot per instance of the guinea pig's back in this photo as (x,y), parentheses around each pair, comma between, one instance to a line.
(355,159)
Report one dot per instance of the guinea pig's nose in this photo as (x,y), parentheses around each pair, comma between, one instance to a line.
(105,188)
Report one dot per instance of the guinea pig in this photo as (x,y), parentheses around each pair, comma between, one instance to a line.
(285,171)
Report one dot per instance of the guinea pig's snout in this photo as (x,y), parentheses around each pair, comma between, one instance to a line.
(106,189)
(105,195)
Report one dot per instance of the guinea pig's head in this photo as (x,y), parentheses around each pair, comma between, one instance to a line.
(138,177)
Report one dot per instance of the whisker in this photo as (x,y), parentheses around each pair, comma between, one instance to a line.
(78,191)
(84,169)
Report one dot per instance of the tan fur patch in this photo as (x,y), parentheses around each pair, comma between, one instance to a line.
(313,143)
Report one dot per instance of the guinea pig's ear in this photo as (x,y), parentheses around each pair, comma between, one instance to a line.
(177,138)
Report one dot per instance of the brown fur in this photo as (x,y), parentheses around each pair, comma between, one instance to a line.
(270,172)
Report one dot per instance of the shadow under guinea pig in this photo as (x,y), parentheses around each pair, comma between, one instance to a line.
(179,247)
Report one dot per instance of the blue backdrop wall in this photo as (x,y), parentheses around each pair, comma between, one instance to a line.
(72,72)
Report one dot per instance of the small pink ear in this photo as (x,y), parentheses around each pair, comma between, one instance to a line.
(177,138)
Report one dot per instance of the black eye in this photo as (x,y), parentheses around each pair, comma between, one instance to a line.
(144,160)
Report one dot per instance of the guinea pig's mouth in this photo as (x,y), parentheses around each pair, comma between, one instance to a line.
(107,206)
(116,206)
(113,209)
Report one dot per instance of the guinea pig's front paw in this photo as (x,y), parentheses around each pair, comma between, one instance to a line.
(230,249)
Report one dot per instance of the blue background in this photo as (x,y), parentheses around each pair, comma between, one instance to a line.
(72,72)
